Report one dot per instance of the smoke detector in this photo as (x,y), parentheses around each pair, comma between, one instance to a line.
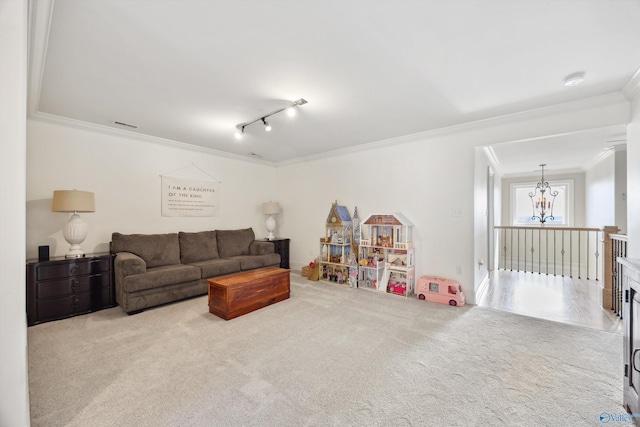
(574,79)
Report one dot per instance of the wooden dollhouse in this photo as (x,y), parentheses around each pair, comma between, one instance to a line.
(385,255)
(335,246)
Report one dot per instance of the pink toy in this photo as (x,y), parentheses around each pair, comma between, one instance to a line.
(445,291)
(397,288)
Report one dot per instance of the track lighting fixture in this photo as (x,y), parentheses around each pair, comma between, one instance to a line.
(291,111)
(240,132)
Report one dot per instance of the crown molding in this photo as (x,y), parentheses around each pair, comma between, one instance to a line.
(92,127)
(597,159)
(632,89)
(40,13)
(549,111)
(493,160)
(602,101)
(559,174)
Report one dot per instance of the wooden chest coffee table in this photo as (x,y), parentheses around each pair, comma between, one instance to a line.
(241,293)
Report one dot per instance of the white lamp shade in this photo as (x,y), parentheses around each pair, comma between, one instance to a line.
(73,201)
(271,208)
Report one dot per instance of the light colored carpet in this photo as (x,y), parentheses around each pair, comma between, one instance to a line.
(327,356)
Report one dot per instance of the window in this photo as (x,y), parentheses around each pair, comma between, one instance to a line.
(522,209)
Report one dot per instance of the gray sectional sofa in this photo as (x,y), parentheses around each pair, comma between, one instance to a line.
(154,269)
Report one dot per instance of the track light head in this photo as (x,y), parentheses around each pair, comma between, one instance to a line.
(267,126)
(240,132)
(291,111)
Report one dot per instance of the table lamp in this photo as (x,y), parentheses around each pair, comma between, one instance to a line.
(76,229)
(271,209)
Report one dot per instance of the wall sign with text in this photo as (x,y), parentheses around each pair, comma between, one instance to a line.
(189,197)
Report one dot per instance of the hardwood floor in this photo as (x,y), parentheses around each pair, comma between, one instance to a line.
(561,299)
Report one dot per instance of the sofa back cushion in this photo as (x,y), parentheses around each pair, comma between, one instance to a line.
(155,249)
(234,242)
(201,246)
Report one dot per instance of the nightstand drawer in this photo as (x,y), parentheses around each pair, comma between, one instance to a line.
(72,285)
(73,268)
(68,306)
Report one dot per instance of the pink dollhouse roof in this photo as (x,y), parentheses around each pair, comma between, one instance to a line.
(388,219)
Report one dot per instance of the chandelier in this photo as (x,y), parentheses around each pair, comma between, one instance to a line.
(543,204)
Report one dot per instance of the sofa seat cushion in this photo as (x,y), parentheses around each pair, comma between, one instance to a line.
(161,276)
(199,246)
(250,262)
(155,249)
(234,242)
(217,267)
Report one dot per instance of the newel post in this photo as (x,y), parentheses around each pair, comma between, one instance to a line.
(608,265)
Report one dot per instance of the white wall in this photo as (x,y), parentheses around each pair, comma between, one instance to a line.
(606,191)
(579,194)
(497,214)
(482,232)
(124,173)
(600,192)
(633,179)
(621,188)
(14,393)
(415,178)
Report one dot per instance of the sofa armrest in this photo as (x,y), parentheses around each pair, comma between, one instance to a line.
(126,264)
(258,247)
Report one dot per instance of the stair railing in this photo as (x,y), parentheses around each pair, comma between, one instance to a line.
(561,251)
(612,291)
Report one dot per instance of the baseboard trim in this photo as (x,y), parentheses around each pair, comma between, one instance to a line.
(482,288)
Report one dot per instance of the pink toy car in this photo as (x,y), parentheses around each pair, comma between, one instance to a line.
(445,291)
(398,288)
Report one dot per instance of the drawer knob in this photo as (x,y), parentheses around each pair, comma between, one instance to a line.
(75,269)
(74,285)
(76,303)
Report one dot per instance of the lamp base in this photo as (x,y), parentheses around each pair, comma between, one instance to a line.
(74,255)
(74,233)
(75,252)
(271,226)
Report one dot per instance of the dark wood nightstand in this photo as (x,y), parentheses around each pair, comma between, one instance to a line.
(60,287)
(281,246)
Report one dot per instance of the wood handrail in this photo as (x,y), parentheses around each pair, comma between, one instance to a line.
(621,237)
